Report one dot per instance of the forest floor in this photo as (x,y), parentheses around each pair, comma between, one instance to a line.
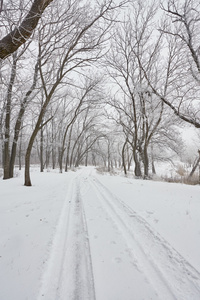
(84,235)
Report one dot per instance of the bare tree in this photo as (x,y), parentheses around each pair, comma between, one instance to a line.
(181,64)
(139,110)
(83,104)
(74,41)
(14,105)
(86,134)
(17,37)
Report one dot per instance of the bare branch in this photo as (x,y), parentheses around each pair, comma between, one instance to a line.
(11,42)
(168,103)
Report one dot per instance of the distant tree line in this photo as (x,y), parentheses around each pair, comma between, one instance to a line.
(86,83)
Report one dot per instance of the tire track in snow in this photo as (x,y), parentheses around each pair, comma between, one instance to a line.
(80,285)
(69,270)
(169,273)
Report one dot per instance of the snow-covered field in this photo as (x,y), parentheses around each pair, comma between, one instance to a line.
(83,235)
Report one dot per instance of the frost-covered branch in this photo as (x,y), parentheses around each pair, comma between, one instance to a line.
(17,37)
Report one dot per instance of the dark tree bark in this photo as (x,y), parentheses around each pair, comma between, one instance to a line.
(28,156)
(68,149)
(1,6)
(146,162)
(123,157)
(38,126)
(195,166)
(18,123)
(137,171)
(17,37)
(53,143)
(20,152)
(153,168)
(7,119)
(41,150)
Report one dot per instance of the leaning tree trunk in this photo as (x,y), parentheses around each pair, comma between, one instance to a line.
(28,156)
(19,35)
(31,141)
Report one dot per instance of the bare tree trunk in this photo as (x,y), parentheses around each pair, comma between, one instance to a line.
(30,146)
(86,156)
(1,6)
(153,167)
(94,160)
(1,135)
(72,154)
(137,170)
(20,152)
(41,150)
(60,157)
(146,162)
(53,154)
(53,159)
(48,151)
(31,141)
(123,157)
(108,153)
(68,148)
(7,120)
(86,160)
(2,158)
(195,166)
(13,154)
(28,156)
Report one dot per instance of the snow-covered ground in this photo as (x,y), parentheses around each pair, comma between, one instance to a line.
(83,235)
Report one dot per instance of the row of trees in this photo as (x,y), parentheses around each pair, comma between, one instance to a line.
(97,83)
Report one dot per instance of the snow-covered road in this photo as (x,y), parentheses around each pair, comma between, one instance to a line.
(104,250)
(69,273)
(85,236)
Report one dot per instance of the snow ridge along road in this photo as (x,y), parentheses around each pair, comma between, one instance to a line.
(69,271)
(169,273)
